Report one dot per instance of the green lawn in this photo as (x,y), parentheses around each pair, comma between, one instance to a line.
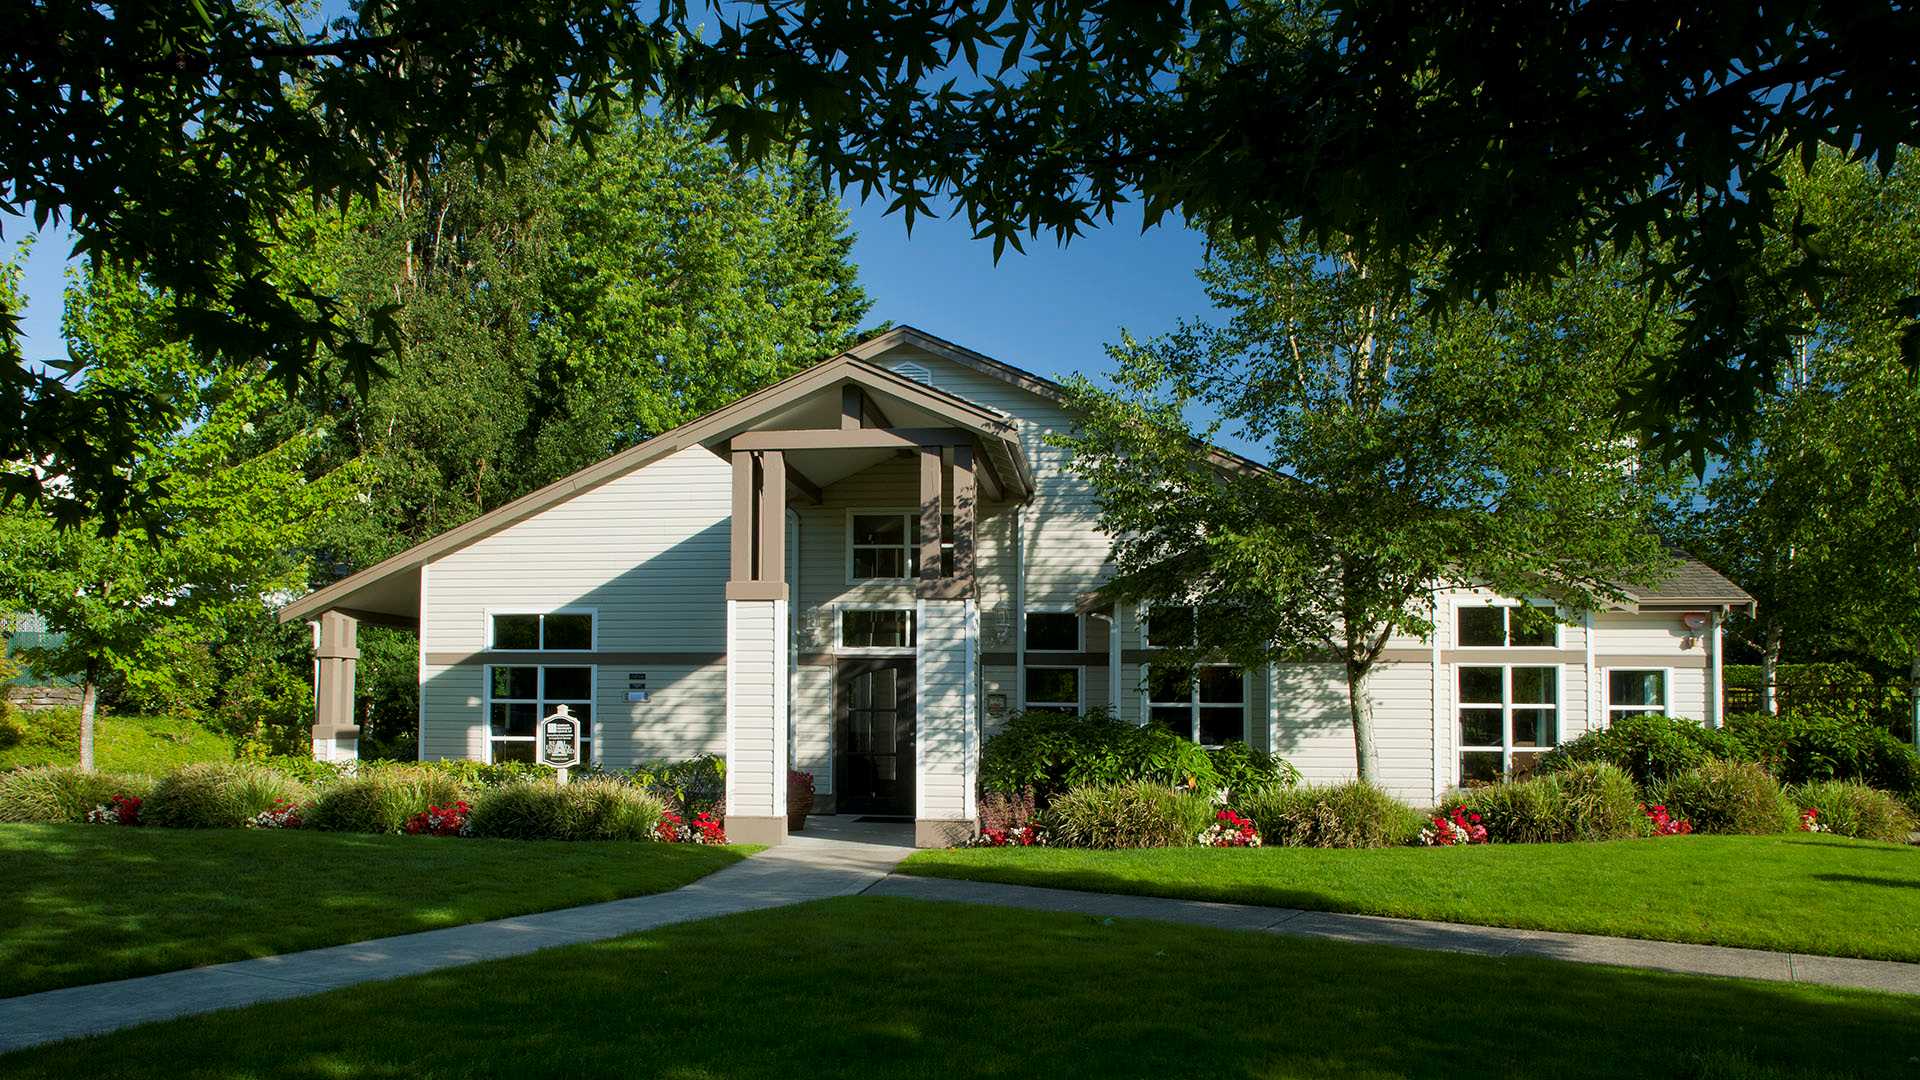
(1799,893)
(88,903)
(871,987)
(153,745)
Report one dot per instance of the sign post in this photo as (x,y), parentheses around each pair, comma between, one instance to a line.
(558,746)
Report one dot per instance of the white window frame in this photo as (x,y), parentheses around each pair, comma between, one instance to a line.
(840,646)
(910,550)
(593,636)
(1665,708)
(543,706)
(1462,603)
(1078,704)
(1079,631)
(1194,705)
(1507,706)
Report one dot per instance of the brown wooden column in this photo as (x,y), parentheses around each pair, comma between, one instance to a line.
(932,495)
(965,512)
(335,656)
(741,534)
(772,563)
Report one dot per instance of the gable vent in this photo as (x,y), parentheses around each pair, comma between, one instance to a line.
(907,369)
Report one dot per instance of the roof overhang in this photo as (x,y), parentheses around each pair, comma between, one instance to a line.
(389,591)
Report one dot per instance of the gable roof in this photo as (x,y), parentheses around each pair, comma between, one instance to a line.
(995,430)
(1691,583)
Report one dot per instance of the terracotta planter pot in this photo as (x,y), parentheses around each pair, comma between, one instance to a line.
(796,820)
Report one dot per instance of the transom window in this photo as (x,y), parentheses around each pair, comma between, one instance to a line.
(1630,692)
(1054,689)
(1207,704)
(1053,631)
(877,628)
(886,546)
(519,695)
(1502,626)
(1508,716)
(572,630)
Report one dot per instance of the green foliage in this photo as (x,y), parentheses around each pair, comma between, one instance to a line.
(1245,770)
(692,787)
(1850,808)
(380,800)
(1804,745)
(1133,814)
(214,795)
(598,808)
(1351,815)
(1648,747)
(1727,797)
(150,745)
(54,793)
(1050,753)
(470,775)
(1591,801)
(303,767)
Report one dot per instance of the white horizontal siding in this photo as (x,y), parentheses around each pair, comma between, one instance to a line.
(942,688)
(756,693)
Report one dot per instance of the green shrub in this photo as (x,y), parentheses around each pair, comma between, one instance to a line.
(474,775)
(218,795)
(13,726)
(51,793)
(1051,753)
(598,808)
(690,788)
(1137,814)
(1728,797)
(1351,815)
(302,767)
(1650,748)
(1806,745)
(1595,801)
(380,800)
(1244,770)
(1850,808)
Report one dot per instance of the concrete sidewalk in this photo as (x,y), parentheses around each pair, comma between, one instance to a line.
(1885,975)
(841,860)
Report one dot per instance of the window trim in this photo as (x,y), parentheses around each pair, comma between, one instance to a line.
(1078,705)
(1665,708)
(911,518)
(1461,602)
(1506,707)
(1079,630)
(593,636)
(543,706)
(1194,705)
(841,648)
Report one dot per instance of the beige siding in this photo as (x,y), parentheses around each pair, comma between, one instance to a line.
(943,686)
(756,702)
(813,724)
(1313,727)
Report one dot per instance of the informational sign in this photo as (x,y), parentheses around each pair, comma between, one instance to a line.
(559,741)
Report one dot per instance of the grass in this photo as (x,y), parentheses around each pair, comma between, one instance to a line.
(153,745)
(1800,893)
(89,903)
(872,987)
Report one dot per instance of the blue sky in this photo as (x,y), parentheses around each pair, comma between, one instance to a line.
(1050,310)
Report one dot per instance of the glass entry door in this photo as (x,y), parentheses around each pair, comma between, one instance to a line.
(873,767)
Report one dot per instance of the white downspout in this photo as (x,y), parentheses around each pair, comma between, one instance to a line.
(1019,609)
(1719,701)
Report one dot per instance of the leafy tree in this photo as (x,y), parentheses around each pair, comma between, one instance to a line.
(232,513)
(1818,513)
(1510,138)
(1405,452)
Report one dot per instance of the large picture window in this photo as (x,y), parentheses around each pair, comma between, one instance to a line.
(885,546)
(1207,704)
(1630,692)
(1054,689)
(1508,716)
(569,630)
(518,695)
(1480,626)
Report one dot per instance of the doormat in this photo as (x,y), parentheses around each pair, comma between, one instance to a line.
(880,819)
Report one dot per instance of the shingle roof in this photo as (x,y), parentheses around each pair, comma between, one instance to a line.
(1690,582)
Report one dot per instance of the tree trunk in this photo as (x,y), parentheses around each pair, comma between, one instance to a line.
(1913,688)
(1360,705)
(89,695)
(1770,670)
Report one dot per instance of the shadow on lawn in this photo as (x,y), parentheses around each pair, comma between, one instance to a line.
(1868,879)
(868,986)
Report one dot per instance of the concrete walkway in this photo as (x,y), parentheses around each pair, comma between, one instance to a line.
(1418,934)
(842,858)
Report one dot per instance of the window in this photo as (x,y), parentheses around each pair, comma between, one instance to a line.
(519,696)
(877,629)
(1171,628)
(1207,704)
(886,546)
(1054,689)
(557,630)
(1502,626)
(1053,631)
(1630,692)
(1508,717)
